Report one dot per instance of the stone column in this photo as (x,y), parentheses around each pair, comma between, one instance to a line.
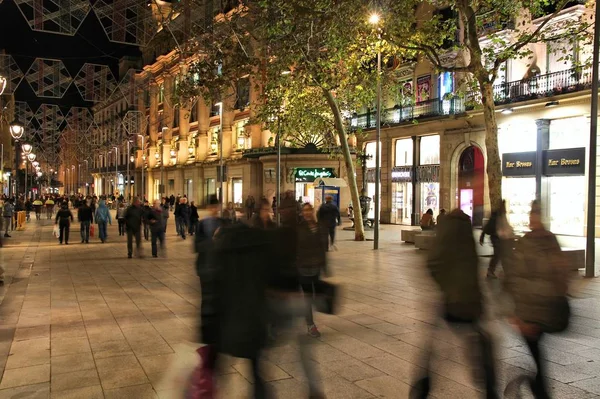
(153,119)
(168,101)
(228,116)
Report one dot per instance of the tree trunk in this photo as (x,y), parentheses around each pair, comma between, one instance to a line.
(494,166)
(359,228)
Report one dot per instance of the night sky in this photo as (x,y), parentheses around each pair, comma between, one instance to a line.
(90,44)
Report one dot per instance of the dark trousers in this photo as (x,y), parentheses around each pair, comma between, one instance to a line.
(102,231)
(181,226)
(495,257)
(332,235)
(121,227)
(146,231)
(307,284)
(64,232)
(193,223)
(85,230)
(539,386)
(138,241)
(157,236)
(7,223)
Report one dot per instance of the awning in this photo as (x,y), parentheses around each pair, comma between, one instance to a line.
(330,182)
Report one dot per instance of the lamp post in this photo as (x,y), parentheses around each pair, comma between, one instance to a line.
(374,19)
(220,174)
(127,188)
(143,166)
(16,131)
(116,169)
(3,82)
(161,186)
(31,158)
(26,148)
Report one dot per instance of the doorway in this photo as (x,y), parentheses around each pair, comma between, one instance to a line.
(470,184)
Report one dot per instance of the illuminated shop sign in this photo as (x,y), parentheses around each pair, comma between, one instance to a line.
(519,164)
(402,174)
(312,174)
(569,161)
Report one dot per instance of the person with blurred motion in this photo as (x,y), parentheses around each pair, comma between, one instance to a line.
(205,268)
(63,219)
(427,221)
(537,280)
(241,265)
(453,264)
(7,213)
(229,213)
(329,216)
(182,217)
(263,220)
(134,214)
(102,217)
(249,205)
(311,260)
(121,218)
(49,207)
(146,208)
(441,216)
(165,204)
(500,233)
(157,231)
(37,206)
(86,218)
(193,218)
(28,209)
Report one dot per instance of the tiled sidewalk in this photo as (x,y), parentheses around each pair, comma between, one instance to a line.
(83,321)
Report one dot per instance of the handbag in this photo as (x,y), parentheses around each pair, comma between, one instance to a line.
(91,230)
(325,297)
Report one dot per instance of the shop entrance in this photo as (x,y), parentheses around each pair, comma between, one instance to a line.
(470,184)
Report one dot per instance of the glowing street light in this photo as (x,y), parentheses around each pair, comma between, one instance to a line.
(3,82)
(374,19)
(31,157)
(17,129)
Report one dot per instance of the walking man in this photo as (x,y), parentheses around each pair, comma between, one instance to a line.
(329,217)
(64,217)
(85,217)
(8,212)
(102,218)
(147,211)
(250,204)
(182,217)
(157,230)
(133,224)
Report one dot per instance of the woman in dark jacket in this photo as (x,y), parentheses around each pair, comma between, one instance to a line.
(311,259)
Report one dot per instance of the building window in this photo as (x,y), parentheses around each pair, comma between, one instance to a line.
(216,108)
(404,152)
(175,117)
(370,151)
(430,150)
(161,93)
(214,141)
(244,141)
(242,100)
(194,112)
(211,189)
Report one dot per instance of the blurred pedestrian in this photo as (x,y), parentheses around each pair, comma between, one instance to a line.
(182,217)
(86,218)
(453,264)
(121,218)
(102,217)
(157,231)
(496,227)
(249,205)
(538,283)
(311,260)
(263,220)
(441,216)
(193,218)
(133,217)
(28,209)
(7,213)
(146,208)
(229,213)
(37,206)
(63,219)
(49,207)
(329,216)
(165,205)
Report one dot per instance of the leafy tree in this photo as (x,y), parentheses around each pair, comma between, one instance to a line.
(313,61)
(419,28)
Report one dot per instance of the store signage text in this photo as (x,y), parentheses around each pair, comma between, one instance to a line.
(311,174)
(519,164)
(402,174)
(569,161)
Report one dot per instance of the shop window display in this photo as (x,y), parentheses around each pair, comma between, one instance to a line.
(430,150)
(404,152)
(430,194)
(238,198)
(518,193)
(567,204)
(401,203)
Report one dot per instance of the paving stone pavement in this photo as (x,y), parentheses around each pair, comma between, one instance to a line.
(83,321)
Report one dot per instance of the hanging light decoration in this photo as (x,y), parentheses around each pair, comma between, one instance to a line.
(31,157)
(39,174)
(17,129)
(3,82)
(27,148)
(35,164)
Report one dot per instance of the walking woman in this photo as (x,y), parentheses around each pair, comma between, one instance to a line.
(311,260)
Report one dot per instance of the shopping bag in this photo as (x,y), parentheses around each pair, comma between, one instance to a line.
(325,297)
(91,230)
(55,231)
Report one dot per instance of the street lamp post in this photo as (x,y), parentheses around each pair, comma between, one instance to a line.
(31,158)
(16,131)
(162,162)
(143,166)
(127,188)
(116,170)
(374,19)
(220,104)
(3,82)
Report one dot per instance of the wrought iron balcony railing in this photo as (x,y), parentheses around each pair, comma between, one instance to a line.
(403,113)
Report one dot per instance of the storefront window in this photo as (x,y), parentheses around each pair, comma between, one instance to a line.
(404,152)
(402,202)
(370,149)
(236,185)
(430,193)
(214,141)
(518,193)
(569,133)
(430,150)
(211,189)
(243,138)
(519,136)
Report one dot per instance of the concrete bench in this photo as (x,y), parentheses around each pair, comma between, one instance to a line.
(408,235)
(575,258)
(424,240)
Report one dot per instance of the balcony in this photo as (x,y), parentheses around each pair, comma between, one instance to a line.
(551,84)
(425,109)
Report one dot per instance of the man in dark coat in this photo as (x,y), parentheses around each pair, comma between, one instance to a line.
(86,218)
(133,223)
(329,217)
(182,217)
(155,222)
